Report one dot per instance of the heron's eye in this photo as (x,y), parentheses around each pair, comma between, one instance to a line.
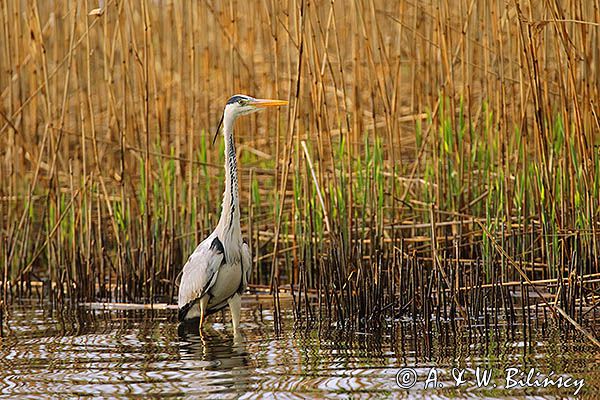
(242,102)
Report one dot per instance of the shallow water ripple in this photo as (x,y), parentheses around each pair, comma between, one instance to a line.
(124,354)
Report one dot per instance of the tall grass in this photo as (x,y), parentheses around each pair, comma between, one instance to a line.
(434,154)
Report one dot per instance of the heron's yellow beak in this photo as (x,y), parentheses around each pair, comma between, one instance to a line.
(268,103)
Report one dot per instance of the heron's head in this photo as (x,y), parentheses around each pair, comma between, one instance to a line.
(240,104)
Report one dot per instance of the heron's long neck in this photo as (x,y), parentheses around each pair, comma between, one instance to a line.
(229,223)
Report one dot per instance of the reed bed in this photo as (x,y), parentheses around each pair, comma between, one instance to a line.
(437,158)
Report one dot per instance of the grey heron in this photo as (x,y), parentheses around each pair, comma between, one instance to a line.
(217,272)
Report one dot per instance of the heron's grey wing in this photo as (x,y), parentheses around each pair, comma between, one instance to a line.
(199,273)
(246,266)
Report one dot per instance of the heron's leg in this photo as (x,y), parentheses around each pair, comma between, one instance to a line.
(203,304)
(235,304)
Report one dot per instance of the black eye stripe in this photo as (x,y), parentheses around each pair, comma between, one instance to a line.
(237,99)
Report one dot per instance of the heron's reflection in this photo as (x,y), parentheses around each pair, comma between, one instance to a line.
(223,350)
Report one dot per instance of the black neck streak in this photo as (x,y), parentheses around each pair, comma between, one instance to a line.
(232,163)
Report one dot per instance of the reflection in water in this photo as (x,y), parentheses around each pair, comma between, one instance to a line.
(83,352)
(220,352)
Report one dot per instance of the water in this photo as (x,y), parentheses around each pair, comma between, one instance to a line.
(132,354)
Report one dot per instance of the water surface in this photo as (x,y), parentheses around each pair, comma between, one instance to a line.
(131,354)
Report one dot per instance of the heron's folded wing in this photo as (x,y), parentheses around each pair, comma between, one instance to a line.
(200,272)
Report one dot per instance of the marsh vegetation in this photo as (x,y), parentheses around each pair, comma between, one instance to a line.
(437,159)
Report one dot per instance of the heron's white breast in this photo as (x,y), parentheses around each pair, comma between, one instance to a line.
(228,282)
